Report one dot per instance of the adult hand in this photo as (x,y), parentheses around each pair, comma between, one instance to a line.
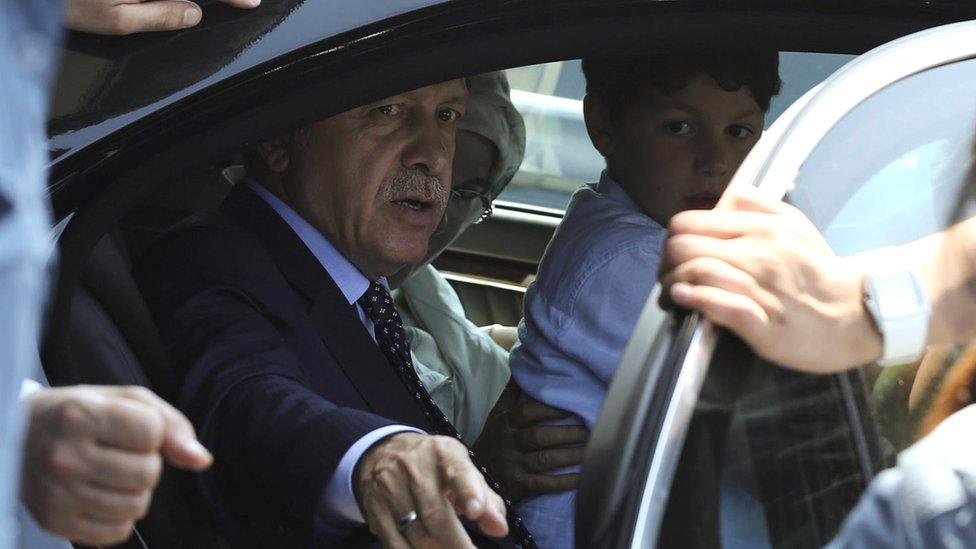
(760,268)
(518,448)
(433,477)
(120,17)
(93,455)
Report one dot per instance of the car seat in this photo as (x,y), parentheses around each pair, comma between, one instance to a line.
(110,338)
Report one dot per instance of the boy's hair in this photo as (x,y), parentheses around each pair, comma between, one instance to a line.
(619,81)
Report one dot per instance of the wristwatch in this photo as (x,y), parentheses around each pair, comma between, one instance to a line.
(900,308)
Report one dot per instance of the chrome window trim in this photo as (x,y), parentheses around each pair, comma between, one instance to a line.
(852,84)
(502,213)
(674,427)
(482,281)
(528,208)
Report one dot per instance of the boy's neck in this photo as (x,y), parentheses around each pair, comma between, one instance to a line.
(625,185)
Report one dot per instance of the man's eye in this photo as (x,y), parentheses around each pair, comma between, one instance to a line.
(449,115)
(739,131)
(678,128)
(389,110)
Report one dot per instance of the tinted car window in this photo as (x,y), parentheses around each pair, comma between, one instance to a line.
(774,458)
(559,156)
(771,458)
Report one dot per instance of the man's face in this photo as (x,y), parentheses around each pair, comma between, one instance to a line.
(677,150)
(375,180)
(473,159)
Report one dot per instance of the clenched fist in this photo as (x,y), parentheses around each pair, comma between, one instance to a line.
(93,455)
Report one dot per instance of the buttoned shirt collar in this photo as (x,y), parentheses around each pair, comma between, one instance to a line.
(351,282)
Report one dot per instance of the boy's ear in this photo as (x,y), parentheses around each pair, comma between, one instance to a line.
(276,153)
(599,124)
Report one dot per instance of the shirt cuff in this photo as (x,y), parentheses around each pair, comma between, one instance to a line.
(339,501)
(27,389)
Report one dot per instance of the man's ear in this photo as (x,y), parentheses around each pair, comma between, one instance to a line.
(276,153)
(599,124)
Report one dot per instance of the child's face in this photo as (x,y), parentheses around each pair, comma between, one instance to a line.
(677,150)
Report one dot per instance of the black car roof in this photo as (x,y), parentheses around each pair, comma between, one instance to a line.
(107,83)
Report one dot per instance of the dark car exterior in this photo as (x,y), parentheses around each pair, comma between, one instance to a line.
(132,114)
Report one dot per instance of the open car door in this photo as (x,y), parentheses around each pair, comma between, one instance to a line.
(703,444)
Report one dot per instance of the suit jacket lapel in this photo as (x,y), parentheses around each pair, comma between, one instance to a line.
(371,372)
(335,320)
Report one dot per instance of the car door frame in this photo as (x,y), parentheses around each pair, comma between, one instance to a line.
(772,167)
(103,178)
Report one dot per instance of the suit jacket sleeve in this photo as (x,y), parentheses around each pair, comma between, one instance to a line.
(276,442)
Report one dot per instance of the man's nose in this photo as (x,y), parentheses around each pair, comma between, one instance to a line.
(428,148)
(714,157)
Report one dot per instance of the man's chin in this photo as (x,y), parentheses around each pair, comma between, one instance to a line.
(403,256)
(401,275)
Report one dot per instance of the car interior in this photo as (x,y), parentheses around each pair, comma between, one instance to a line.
(100,330)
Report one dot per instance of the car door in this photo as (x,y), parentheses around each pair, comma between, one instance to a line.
(147,112)
(701,443)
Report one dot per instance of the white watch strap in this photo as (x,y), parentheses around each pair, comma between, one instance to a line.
(898,303)
(901,309)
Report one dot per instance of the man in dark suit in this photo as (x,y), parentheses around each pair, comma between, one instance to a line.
(294,366)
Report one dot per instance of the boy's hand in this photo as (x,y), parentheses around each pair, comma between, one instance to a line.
(119,17)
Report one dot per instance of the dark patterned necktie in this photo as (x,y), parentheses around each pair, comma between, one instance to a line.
(392,339)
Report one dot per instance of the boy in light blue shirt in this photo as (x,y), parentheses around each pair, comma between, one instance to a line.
(673,130)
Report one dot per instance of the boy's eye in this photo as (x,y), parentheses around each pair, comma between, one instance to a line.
(449,115)
(389,110)
(739,131)
(678,128)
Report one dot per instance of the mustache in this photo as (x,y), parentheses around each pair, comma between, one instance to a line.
(418,183)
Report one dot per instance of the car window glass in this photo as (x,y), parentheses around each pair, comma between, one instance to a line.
(771,458)
(558,153)
(559,156)
(891,170)
(774,458)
